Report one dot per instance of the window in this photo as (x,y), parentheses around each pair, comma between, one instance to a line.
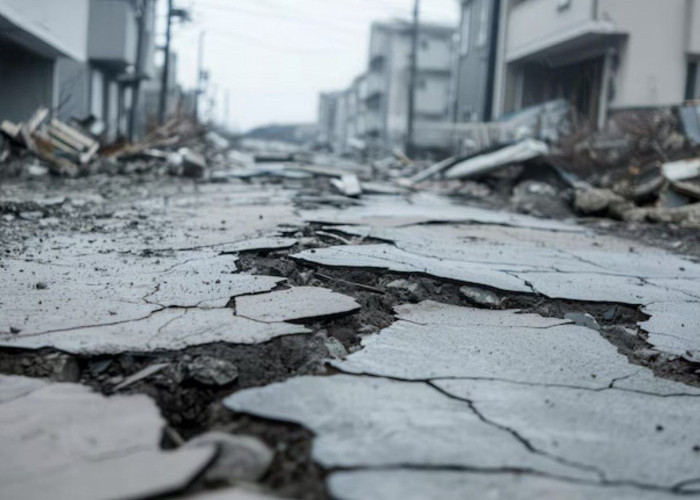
(692,83)
(466,29)
(483,24)
(563,4)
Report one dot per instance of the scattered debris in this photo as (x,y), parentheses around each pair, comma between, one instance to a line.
(481,296)
(141,375)
(212,371)
(583,319)
(194,165)
(479,165)
(348,184)
(239,458)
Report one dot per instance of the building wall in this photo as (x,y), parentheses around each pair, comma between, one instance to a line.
(52,28)
(27,82)
(652,68)
(74,89)
(432,83)
(474,65)
(636,53)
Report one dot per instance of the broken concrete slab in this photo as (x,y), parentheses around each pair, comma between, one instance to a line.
(409,484)
(681,170)
(644,381)
(391,211)
(674,327)
(141,474)
(430,312)
(483,344)
(373,422)
(512,248)
(626,436)
(212,287)
(484,164)
(294,304)
(258,244)
(235,494)
(348,184)
(591,287)
(166,330)
(78,444)
(391,258)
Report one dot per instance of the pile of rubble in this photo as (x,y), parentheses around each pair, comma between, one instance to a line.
(71,150)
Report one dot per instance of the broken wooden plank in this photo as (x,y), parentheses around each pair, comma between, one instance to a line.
(39,117)
(11,130)
(80,138)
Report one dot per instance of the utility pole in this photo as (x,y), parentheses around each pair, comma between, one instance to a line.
(410,149)
(166,67)
(227,109)
(200,76)
(144,9)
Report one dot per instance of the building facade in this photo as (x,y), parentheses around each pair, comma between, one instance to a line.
(600,55)
(373,111)
(475,60)
(34,36)
(78,58)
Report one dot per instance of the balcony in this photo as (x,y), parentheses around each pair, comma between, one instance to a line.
(545,28)
(113,33)
(50,28)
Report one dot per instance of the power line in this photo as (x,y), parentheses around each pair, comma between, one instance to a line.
(260,42)
(350,29)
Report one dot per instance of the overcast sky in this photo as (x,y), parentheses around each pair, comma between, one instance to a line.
(275,56)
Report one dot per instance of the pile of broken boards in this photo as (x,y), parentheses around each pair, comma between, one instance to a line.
(66,149)
(72,150)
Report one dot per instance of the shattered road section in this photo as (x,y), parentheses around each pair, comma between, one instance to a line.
(64,439)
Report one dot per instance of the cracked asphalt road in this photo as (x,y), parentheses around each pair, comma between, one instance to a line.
(342,333)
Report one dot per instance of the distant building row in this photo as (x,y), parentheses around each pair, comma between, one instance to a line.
(79,58)
(600,55)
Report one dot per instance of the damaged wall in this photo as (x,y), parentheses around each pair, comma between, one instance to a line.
(27,82)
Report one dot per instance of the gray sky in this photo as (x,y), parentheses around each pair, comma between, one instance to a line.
(275,56)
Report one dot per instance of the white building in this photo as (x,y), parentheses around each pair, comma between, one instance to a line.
(76,57)
(34,35)
(601,55)
(373,111)
(388,77)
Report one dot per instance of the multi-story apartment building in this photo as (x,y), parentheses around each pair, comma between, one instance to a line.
(601,55)
(374,109)
(388,78)
(34,36)
(78,58)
